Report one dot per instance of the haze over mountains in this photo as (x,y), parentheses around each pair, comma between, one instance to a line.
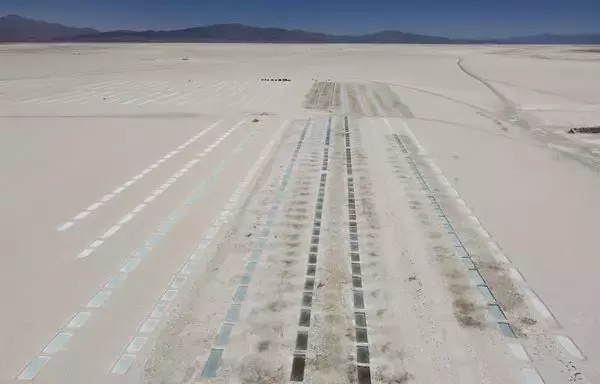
(15,28)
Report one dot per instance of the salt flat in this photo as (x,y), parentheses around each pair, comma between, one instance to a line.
(176,213)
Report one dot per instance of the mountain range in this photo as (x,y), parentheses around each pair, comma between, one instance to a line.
(15,28)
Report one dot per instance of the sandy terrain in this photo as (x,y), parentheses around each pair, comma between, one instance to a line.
(393,214)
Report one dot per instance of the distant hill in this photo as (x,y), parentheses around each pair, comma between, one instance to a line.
(212,33)
(244,33)
(396,37)
(553,39)
(15,28)
(19,29)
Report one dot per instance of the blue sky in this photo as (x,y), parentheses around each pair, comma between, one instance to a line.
(453,18)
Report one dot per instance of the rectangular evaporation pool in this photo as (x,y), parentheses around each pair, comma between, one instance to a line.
(234,313)
(240,294)
(224,334)
(298,365)
(212,364)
